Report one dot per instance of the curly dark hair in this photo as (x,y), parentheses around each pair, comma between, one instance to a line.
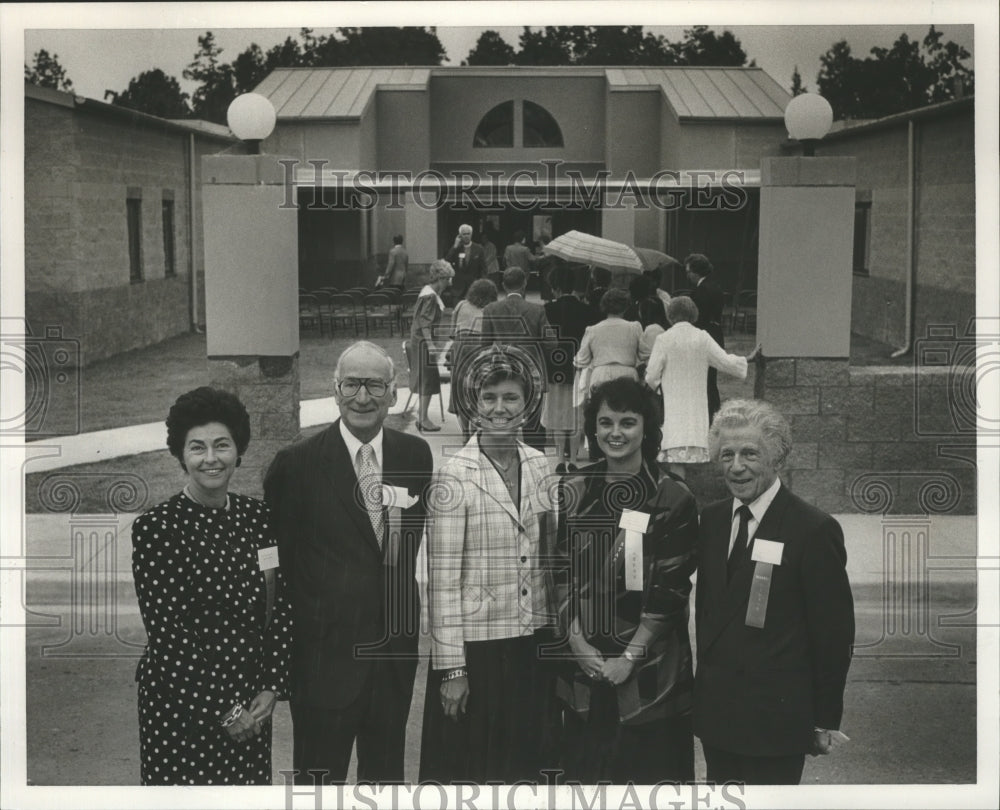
(626,394)
(615,302)
(201,406)
(481,292)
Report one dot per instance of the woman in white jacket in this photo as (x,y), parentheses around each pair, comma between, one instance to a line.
(679,363)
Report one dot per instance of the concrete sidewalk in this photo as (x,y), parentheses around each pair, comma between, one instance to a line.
(101,445)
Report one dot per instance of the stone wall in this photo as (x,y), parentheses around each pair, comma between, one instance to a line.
(875,439)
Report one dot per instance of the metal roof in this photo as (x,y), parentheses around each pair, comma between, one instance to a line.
(709,92)
(693,92)
(334,92)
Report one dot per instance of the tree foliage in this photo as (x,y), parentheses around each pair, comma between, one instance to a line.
(797,87)
(47,72)
(490,49)
(904,77)
(155,93)
(611,45)
(220,82)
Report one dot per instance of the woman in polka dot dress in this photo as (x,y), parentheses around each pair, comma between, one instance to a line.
(211,598)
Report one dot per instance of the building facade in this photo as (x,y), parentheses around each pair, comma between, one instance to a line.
(666,158)
(113,249)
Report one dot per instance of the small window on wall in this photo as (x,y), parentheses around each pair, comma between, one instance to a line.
(496,127)
(134,213)
(862,237)
(169,259)
(539,127)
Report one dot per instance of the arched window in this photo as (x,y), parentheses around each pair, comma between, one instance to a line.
(496,127)
(539,127)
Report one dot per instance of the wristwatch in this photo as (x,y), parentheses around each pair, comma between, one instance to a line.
(628,655)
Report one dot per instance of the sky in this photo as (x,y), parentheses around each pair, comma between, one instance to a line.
(100,58)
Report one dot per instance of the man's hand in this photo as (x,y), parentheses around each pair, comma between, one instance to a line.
(454,696)
(822,742)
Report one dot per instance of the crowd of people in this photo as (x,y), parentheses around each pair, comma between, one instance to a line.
(559,593)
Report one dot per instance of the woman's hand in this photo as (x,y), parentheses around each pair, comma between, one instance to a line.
(588,658)
(617,670)
(262,705)
(454,696)
(243,727)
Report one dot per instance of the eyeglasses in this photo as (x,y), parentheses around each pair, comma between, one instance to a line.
(351,386)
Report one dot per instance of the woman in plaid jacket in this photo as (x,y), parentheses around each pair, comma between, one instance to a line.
(488,510)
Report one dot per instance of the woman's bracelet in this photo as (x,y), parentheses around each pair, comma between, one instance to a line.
(459,672)
(233,716)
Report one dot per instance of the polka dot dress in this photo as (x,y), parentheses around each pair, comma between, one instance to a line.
(203,601)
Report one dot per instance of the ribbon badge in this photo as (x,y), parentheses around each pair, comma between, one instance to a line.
(767,554)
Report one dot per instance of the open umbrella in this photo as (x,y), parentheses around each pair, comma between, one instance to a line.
(576,246)
(651,259)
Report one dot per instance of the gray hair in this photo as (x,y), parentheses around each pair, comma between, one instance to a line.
(743,413)
(439,269)
(366,344)
(682,308)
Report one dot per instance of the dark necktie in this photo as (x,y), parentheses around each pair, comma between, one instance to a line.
(740,546)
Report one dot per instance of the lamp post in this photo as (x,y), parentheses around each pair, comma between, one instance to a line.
(252,118)
(808,118)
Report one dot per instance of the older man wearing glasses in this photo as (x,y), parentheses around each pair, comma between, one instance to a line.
(348,505)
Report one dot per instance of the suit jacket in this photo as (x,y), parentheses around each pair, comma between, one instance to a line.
(521,323)
(762,691)
(351,605)
(474,267)
(709,299)
(570,317)
(486,578)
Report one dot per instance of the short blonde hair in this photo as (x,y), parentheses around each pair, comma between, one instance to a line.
(440,269)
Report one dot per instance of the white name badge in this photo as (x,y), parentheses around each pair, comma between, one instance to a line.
(634,521)
(767,551)
(397,497)
(267,558)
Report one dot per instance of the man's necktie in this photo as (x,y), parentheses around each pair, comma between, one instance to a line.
(740,546)
(371,489)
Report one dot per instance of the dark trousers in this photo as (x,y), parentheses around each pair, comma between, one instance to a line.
(725,766)
(322,738)
(714,400)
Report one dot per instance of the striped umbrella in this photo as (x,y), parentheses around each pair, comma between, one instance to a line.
(576,246)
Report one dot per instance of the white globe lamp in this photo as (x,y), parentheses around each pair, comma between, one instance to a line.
(252,118)
(808,117)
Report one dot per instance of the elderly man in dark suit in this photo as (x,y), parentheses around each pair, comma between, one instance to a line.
(469,260)
(709,298)
(774,612)
(348,505)
(522,323)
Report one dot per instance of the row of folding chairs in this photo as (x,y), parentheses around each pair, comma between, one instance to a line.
(357,309)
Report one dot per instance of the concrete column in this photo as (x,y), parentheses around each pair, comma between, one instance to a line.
(251,300)
(805,256)
(619,223)
(421,234)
